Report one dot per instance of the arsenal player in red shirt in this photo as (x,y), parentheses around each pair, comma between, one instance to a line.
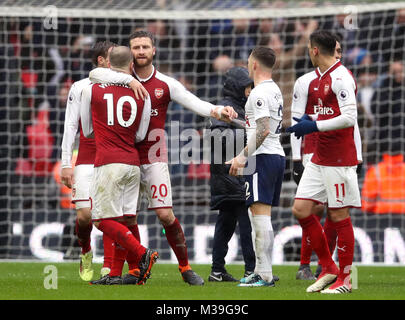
(117,120)
(330,176)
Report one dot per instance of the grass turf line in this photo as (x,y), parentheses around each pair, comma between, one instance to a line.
(25,281)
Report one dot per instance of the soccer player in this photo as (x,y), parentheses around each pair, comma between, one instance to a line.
(155,179)
(330,176)
(263,111)
(302,151)
(80,179)
(117,120)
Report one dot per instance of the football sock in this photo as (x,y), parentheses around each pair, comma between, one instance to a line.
(108,245)
(121,234)
(317,238)
(118,261)
(345,247)
(177,241)
(83,233)
(264,245)
(306,249)
(135,231)
(131,259)
(330,233)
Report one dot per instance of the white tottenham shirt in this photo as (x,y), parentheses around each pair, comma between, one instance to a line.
(265,100)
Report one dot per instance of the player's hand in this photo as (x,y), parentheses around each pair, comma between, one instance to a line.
(302,127)
(237,165)
(139,90)
(298,169)
(67,177)
(226,114)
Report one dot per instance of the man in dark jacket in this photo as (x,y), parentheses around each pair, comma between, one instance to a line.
(228,193)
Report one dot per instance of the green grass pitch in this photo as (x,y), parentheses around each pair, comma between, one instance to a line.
(25,281)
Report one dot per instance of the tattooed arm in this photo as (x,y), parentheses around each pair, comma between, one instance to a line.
(255,141)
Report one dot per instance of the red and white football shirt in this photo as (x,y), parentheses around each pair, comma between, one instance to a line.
(336,90)
(118,120)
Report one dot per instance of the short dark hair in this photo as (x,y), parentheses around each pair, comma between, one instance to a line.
(101,49)
(265,55)
(325,40)
(142,34)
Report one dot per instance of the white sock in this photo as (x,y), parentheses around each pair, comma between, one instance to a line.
(264,246)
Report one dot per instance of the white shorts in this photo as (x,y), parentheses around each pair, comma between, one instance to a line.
(114,191)
(83,176)
(155,183)
(336,186)
(306,157)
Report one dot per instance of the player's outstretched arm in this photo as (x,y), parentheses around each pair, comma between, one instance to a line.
(105,75)
(182,96)
(71,126)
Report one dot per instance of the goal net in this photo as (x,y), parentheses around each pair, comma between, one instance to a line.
(45,47)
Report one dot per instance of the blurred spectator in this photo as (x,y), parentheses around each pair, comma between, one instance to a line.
(232,38)
(366,78)
(220,65)
(388,108)
(80,57)
(358,57)
(284,70)
(168,50)
(57,117)
(384,186)
(347,26)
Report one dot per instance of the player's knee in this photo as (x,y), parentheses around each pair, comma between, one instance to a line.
(336,215)
(318,210)
(130,220)
(84,216)
(166,216)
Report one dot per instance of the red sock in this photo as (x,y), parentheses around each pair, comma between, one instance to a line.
(306,249)
(121,234)
(177,241)
(118,261)
(345,246)
(135,231)
(317,238)
(108,245)
(131,259)
(83,235)
(330,233)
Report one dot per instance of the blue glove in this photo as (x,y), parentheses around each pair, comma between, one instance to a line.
(303,127)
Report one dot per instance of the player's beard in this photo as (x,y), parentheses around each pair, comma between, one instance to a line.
(142,62)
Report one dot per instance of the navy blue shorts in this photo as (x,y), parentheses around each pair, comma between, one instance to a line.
(264,184)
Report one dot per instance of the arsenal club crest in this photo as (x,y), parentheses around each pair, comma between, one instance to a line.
(159,93)
(326,89)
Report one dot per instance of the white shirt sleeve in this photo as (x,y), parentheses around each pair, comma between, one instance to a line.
(144,124)
(72,118)
(181,95)
(261,104)
(85,113)
(344,88)
(106,75)
(298,107)
(357,142)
